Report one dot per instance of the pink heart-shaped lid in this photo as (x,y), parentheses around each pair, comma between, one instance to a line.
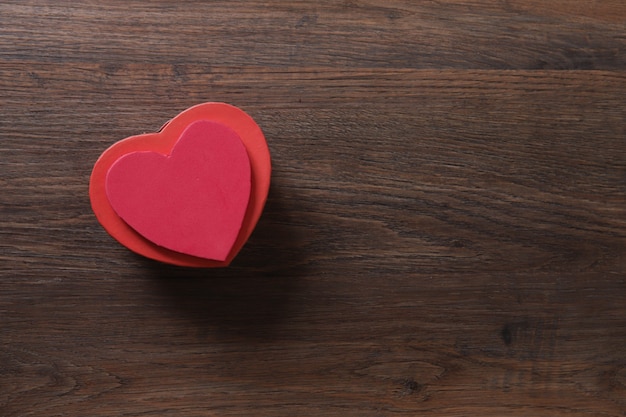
(192,201)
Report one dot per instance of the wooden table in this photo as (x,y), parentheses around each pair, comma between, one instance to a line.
(445,234)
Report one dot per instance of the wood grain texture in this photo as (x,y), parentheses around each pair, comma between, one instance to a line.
(445,234)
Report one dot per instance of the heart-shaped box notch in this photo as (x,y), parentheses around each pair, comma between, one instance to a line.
(189,195)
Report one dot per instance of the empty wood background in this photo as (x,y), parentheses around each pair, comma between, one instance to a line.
(445,234)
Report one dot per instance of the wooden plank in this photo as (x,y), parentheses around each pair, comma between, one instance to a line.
(433,239)
(514,34)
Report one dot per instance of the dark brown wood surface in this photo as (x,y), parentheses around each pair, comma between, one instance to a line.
(445,234)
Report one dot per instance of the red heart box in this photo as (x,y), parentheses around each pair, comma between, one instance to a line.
(205,138)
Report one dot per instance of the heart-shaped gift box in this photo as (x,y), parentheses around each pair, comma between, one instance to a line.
(190,194)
